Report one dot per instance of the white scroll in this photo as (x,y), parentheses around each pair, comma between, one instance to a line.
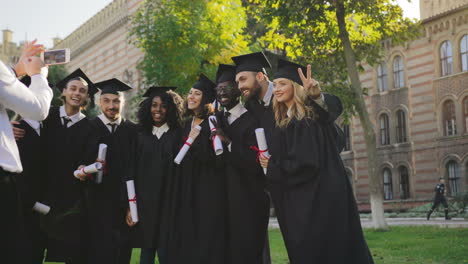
(90,169)
(132,200)
(262,144)
(101,156)
(41,208)
(217,145)
(185,148)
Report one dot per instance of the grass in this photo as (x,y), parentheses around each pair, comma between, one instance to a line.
(400,245)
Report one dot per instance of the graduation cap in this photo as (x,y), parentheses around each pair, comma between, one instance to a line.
(112,86)
(92,89)
(206,86)
(289,70)
(254,62)
(155,90)
(226,73)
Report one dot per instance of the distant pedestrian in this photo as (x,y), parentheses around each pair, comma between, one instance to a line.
(439,199)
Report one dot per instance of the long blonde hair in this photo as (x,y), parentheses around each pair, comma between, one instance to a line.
(299,109)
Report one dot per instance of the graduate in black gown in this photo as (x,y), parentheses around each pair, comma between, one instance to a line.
(67,135)
(199,232)
(152,169)
(247,202)
(106,201)
(313,199)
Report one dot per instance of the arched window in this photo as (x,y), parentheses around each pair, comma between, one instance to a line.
(465,113)
(384,130)
(347,134)
(398,75)
(464,53)
(453,175)
(404,183)
(401,127)
(449,118)
(382,78)
(387,182)
(446,59)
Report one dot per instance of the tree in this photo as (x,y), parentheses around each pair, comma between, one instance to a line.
(56,74)
(182,38)
(339,35)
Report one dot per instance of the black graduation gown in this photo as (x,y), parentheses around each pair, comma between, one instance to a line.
(198,231)
(313,199)
(247,202)
(66,149)
(153,172)
(106,203)
(29,184)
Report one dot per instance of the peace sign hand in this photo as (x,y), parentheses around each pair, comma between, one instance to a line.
(311,85)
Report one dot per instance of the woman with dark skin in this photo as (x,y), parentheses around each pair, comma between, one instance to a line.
(152,168)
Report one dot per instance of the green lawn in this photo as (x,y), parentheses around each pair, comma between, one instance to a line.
(400,245)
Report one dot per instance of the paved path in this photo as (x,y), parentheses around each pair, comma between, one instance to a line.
(435,221)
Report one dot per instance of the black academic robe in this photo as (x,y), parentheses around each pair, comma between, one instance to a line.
(313,198)
(29,184)
(106,203)
(153,172)
(247,202)
(66,149)
(198,231)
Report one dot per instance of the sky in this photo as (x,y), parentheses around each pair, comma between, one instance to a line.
(47,19)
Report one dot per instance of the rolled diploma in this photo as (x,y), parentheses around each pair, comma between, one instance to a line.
(93,168)
(262,144)
(101,156)
(217,145)
(183,151)
(41,208)
(132,203)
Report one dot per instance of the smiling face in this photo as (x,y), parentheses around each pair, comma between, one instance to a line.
(194,99)
(248,84)
(227,94)
(158,111)
(75,94)
(283,90)
(111,105)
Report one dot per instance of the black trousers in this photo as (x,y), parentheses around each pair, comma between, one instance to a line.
(14,247)
(439,200)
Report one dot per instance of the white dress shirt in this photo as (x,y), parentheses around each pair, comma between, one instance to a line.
(32,103)
(235,112)
(36,125)
(268,95)
(107,122)
(73,119)
(159,131)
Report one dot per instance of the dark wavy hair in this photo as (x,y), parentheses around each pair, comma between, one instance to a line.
(88,102)
(207,109)
(174,104)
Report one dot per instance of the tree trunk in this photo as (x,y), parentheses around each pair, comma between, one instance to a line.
(375,182)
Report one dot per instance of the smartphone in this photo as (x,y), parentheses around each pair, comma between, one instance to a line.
(55,57)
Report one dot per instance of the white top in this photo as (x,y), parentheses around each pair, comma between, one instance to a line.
(107,122)
(159,131)
(73,119)
(236,112)
(32,103)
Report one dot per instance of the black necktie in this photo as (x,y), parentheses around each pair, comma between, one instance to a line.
(226,117)
(66,120)
(112,125)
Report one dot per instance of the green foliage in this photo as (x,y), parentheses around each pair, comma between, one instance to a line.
(307,32)
(182,38)
(56,74)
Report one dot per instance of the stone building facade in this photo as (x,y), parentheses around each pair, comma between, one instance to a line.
(9,51)
(418,100)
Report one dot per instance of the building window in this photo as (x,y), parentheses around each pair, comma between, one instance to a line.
(404,183)
(382,78)
(446,59)
(387,182)
(401,127)
(384,130)
(464,52)
(453,174)
(349,175)
(450,123)
(347,134)
(398,75)
(465,113)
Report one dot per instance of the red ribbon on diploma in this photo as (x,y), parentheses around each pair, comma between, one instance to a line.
(133,199)
(86,174)
(259,152)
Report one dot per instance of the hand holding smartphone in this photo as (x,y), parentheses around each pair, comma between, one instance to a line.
(56,57)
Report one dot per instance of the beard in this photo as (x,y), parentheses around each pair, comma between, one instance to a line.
(254,92)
